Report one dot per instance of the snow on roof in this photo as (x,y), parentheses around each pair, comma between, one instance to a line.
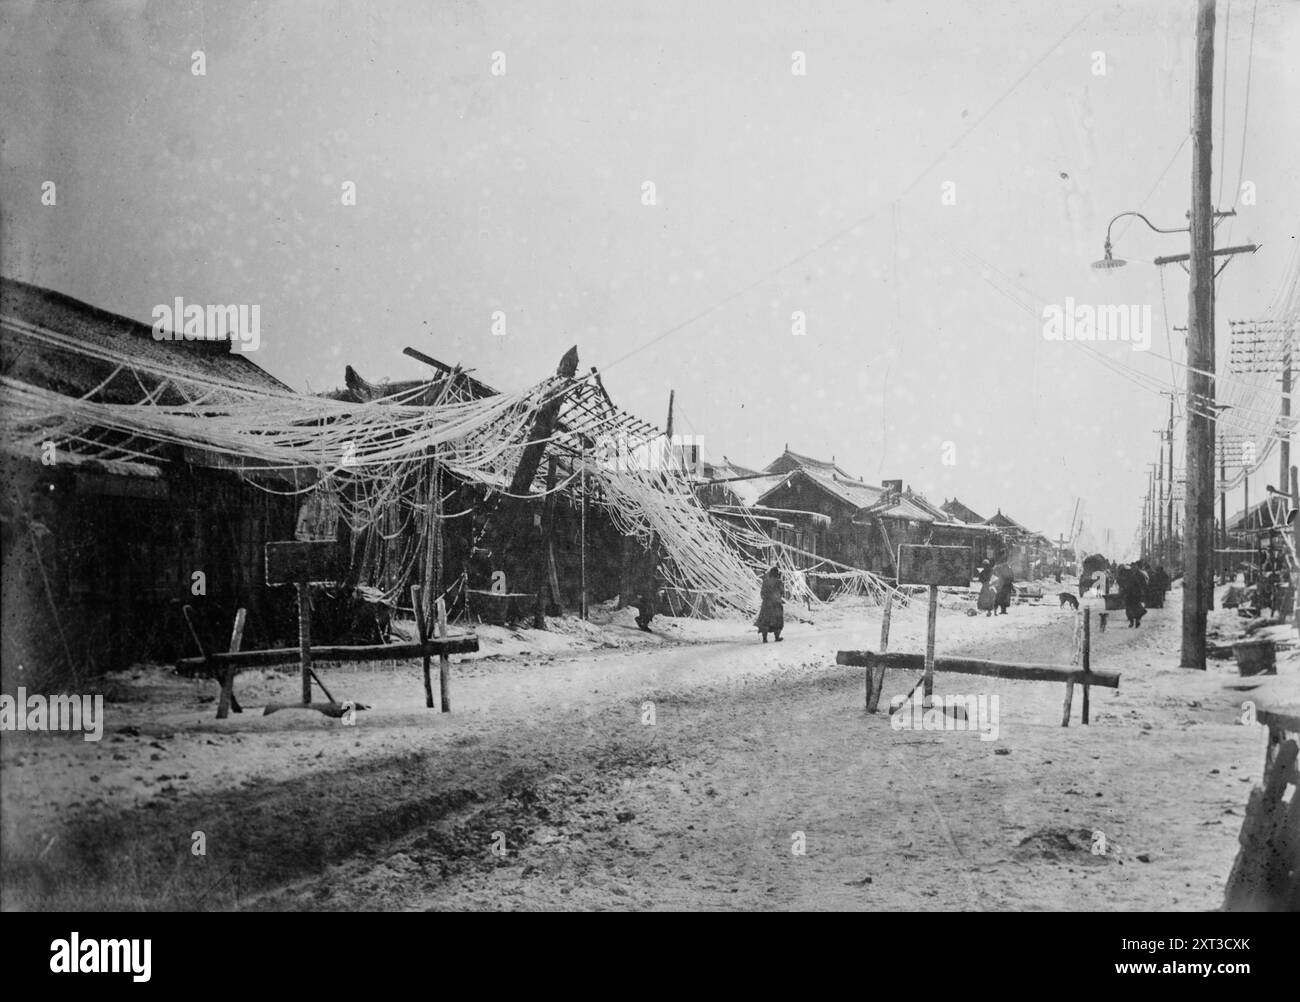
(789,461)
(851,492)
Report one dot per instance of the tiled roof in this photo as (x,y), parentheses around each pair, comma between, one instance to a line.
(961,511)
(851,492)
(1004,521)
(789,460)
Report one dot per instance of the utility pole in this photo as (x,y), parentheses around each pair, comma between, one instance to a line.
(1148,510)
(1158,505)
(1225,564)
(1284,425)
(1169,503)
(1198,517)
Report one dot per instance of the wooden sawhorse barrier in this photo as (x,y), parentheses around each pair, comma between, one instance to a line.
(299,563)
(225,666)
(1265,876)
(877,661)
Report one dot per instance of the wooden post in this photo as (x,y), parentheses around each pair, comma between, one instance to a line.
(582,542)
(1198,520)
(444,663)
(227,698)
(1087,657)
(188,612)
(1069,698)
(422,634)
(875,677)
(1295,540)
(541,555)
(930,620)
(304,639)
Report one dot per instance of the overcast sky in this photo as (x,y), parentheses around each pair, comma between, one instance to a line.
(775,192)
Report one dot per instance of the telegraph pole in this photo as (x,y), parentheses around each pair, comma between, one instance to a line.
(1169,502)
(1198,519)
(1225,565)
(1284,429)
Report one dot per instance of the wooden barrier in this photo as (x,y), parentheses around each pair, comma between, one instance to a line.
(1265,876)
(878,661)
(224,667)
(1025,672)
(370,652)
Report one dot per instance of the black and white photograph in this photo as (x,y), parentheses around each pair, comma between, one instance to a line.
(581,456)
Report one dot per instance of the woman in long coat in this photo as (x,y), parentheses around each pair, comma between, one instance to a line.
(771,615)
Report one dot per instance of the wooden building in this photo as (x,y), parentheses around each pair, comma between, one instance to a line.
(106,538)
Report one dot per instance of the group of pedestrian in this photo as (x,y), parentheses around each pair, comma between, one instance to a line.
(997,586)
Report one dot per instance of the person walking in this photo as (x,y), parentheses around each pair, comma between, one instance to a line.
(771,613)
(1003,580)
(646,605)
(988,594)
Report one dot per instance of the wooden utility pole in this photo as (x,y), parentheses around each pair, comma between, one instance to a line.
(1159,509)
(1295,534)
(1169,502)
(582,533)
(1198,519)
(1225,564)
(1284,425)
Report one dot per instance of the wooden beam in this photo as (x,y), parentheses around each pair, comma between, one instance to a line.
(971,666)
(444,665)
(876,675)
(371,652)
(423,634)
(228,700)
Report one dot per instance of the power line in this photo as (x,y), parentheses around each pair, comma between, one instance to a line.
(846,230)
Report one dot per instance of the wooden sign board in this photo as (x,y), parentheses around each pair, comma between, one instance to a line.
(303,560)
(934,565)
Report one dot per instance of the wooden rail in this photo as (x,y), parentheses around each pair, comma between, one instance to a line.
(370,652)
(970,666)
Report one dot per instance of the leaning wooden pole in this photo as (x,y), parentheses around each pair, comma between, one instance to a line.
(875,677)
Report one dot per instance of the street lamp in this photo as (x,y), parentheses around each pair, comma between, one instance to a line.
(1110,261)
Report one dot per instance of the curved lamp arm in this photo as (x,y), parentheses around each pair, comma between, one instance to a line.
(1181,229)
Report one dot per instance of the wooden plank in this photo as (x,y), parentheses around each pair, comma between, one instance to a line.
(373,652)
(423,635)
(970,666)
(444,664)
(934,565)
(310,560)
(1069,698)
(227,698)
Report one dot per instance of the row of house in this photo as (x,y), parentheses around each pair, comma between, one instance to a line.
(108,536)
(830,515)
(106,539)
